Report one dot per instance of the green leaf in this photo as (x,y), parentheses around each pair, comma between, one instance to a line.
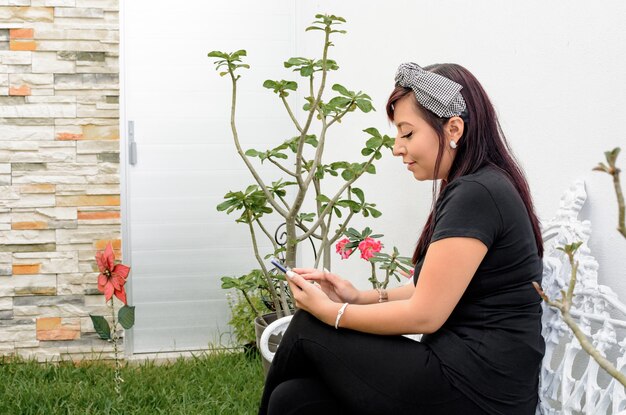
(374,142)
(101,326)
(342,90)
(322,198)
(227,204)
(347,175)
(337,211)
(340,102)
(359,194)
(372,131)
(339,165)
(252,153)
(228,283)
(375,213)
(217,54)
(126,316)
(311,140)
(290,85)
(354,206)
(367,151)
(364,105)
(353,233)
(388,142)
(269,84)
(371,169)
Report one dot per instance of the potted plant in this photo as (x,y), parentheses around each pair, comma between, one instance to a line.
(300,171)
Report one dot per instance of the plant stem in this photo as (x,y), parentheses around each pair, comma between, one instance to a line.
(621,224)
(373,279)
(312,109)
(118,377)
(269,236)
(572,281)
(280,166)
(592,351)
(241,153)
(270,285)
(293,118)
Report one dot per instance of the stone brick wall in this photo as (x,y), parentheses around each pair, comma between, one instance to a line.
(59,172)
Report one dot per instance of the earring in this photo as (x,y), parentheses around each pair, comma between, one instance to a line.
(453,144)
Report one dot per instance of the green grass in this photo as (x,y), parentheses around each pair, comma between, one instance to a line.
(221,383)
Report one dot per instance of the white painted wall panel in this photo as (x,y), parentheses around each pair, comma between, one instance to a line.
(554,71)
(179,244)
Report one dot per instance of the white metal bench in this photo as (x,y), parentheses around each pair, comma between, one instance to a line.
(571,382)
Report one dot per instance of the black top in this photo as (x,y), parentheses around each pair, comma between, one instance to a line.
(491,345)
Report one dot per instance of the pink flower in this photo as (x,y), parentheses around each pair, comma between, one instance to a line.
(112,277)
(369,246)
(341,248)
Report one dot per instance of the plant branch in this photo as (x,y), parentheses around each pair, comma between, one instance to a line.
(293,118)
(282,199)
(373,278)
(341,229)
(564,307)
(269,236)
(258,314)
(572,282)
(621,227)
(243,156)
(614,171)
(280,166)
(340,116)
(270,285)
(313,108)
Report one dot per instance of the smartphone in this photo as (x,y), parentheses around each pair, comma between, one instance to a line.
(276,262)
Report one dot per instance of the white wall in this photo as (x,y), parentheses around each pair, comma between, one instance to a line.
(554,71)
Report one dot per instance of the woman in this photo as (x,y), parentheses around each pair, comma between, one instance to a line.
(472,297)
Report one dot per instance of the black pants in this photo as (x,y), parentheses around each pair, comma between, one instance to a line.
(320,370)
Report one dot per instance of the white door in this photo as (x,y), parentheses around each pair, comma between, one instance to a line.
(176,242)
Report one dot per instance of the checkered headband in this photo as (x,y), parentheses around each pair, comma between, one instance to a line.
(435,92)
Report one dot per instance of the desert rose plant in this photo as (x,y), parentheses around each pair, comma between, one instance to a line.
(299,166)
(111,281)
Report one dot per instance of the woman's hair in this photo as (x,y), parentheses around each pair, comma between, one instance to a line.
(482,144)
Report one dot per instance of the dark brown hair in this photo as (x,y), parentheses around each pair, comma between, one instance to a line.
(483,143)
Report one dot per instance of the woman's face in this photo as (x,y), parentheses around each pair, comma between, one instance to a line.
(417,143)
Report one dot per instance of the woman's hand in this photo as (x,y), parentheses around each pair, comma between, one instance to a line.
(311,298)
(335,287)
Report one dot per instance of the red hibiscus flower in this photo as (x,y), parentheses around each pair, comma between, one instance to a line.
(341,248)
(112,277)
(368,247)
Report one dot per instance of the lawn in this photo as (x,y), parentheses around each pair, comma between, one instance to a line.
(220,383)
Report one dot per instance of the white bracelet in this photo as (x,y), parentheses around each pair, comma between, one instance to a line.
(339,314)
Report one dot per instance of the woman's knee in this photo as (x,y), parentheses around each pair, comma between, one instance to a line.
(302,396)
